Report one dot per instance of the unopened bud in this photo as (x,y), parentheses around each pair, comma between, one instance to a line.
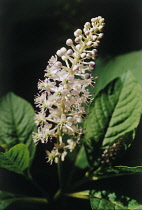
(92,64)
(94,38)
(100,35)
(83,55)
(100,28)
(75,68)
(93,20)
(77,40)
(59,53)
(69,52)
(63,50)
(77,32)
(78,46)
(92,30)
(87,33)
(69,42)
(87,25)
(58,64)
(87,76)
(89,43)
(94,53)
(64,58)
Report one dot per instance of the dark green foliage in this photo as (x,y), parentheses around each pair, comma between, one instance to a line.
(113,115)
(16,122)
(16,159)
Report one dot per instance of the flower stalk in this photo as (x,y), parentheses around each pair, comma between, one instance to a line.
(64,91)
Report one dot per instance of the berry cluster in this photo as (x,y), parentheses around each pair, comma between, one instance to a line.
(109,155)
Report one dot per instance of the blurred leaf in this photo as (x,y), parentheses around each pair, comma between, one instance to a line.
(16,122)
(6,199)
(109,69)
(116,171)
(82,194)
(104,200)
(114,114)
(81,159)
(16,159)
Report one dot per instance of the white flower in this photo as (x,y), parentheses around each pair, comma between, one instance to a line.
(71,144)
(64,93)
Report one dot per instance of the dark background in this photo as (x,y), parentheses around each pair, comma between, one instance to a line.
(32,31)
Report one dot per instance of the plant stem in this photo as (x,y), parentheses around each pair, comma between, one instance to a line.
(33,200)
(59,165)
(57,194)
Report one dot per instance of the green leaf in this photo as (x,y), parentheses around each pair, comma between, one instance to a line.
(16,122)
(16,159)
(81,194)
(114,114)
(6,199)
(81,159)
(116,171)
(104,200)
(109,69)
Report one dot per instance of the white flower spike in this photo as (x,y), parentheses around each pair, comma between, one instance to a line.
(64,92)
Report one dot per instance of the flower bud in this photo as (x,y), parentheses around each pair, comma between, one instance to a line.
(83,55)
(77,32)
(58,64)
(87,76)
(92,64)
(59,53)
(100,28)
(94,38)
(78,46)
(92,30)
(89,43)
(63,50)
(76,68)
(69,52)
(69,42)
(87,25)
(64,58)
(94,53)
(93,20)
(87,33)
(77,40)
(100,35)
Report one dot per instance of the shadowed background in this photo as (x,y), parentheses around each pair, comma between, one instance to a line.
(32,31)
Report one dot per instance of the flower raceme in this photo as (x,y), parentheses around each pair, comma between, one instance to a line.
(63,94)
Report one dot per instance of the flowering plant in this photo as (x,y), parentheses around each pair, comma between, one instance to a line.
(82,136)
(64,92)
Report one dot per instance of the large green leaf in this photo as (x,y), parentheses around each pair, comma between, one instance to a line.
(16,122)
(109,69)
(104,200)
(115,171)
(16,159)
(114,114)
